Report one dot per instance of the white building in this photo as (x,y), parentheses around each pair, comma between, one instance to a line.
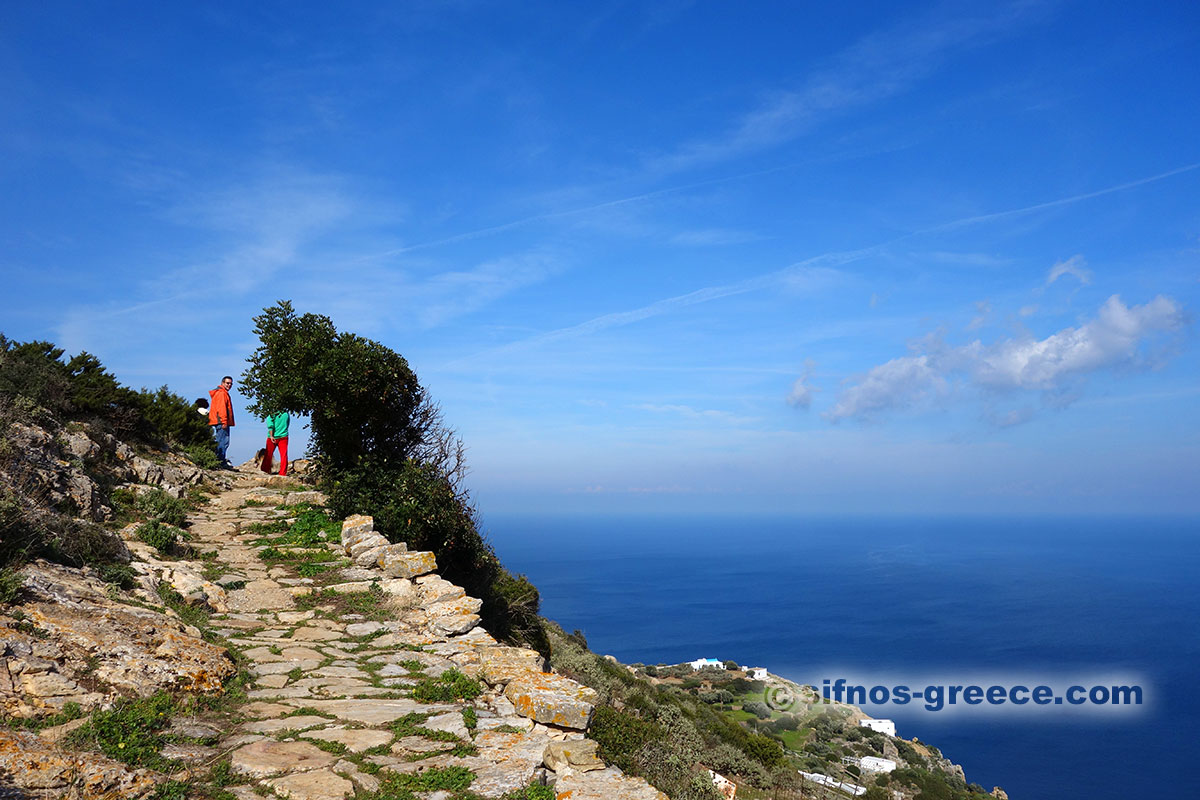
(701,663)
(756,673)
(876,764)
(884,726)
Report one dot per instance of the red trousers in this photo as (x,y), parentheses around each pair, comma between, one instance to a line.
(267,460)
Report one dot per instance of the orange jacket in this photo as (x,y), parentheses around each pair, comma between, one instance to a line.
(220,410)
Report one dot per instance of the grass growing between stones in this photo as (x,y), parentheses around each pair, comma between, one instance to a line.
(450,685)
(208,786)
(455,781)
(308,711)
(311,527)
(196,616)
(410,725)
(395,786)
(70,711)
(337,605)
(132,731)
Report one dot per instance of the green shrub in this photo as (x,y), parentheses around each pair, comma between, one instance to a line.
(77,542)
(118,574)
(621,736)
(11,582)
(162,538)
(35,376)
(174,421)
(172,790)
(158,506)
(203,455)
(16,535)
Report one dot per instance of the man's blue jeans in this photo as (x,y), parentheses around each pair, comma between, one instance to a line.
(222,434)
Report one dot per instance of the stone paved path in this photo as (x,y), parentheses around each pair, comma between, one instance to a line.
(330,713)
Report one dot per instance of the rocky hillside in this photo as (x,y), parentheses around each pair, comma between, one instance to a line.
(257,647)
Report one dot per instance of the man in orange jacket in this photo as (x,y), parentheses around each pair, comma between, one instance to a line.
(220,417)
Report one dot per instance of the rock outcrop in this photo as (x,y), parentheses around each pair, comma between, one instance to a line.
(63,470)
(74,644)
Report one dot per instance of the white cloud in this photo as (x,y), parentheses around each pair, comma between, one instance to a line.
(1075,265)
(895,384)
(687,412)
(1112,338)
(984,309)
(1115,337)
(801,395)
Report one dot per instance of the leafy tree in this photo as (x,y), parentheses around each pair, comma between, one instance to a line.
(362,397)
(381,447)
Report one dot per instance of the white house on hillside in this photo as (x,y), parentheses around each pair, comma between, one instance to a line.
(701,663)
(885,726)
(756,673)
(876,764)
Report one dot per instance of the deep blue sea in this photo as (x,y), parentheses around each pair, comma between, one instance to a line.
(908,595)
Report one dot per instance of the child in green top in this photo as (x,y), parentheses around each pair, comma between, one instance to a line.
(277,436)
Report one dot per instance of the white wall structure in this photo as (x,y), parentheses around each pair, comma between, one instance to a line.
(701,663)
(885,726)
(756,673)
(876,764)
(844,786)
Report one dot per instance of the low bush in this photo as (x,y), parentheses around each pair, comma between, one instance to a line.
(651,729)
(11,583)
(203,455)
(159,506)
(163,538)
(621,736)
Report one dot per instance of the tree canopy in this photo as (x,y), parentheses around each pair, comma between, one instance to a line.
(361,397)
(382,448)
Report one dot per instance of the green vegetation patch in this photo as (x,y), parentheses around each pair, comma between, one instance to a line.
(130,732)
(162,537)
(450,685)
(11,582)
(336,605)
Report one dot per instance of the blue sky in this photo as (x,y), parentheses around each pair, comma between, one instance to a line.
(787,257)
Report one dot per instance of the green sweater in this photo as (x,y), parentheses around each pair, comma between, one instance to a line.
(277,425)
